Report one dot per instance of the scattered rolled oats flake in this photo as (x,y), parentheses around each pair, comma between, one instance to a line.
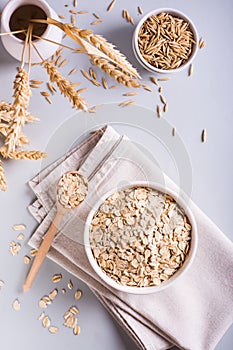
(2,283)
(20,237)
(14,248)
(57,278)
(42,304)
(74,310)
(63,291)
(77,294)
(16,305)
(53,329)
(19,227)
(53,294)
(76,330)
(41,316)
(46,322)
(26,259)
(33,252)
(70,284)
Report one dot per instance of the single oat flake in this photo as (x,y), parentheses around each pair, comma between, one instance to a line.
(53,329)
(16,305)
(19,227)
(77,294)
(56,278)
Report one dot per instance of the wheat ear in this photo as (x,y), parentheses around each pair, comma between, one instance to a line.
(65,87)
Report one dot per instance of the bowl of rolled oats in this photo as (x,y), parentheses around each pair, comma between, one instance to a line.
(140,238)
(165,41)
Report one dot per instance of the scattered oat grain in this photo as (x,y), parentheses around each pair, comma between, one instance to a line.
(164,79)
(63,63)
(146,87)
(191,70)
(154,80)
(203,135)
(96,15)
(165,107)
(132,93)
(74,70)
(111,5)
(140,11)
(174,131)
(94,23)
(104,83)
(126,103)
(159,111)
(163,100)
(202,43)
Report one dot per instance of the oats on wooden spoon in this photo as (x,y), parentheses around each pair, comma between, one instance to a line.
(72,189)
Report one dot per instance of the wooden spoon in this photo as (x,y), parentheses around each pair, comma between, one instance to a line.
(72,189)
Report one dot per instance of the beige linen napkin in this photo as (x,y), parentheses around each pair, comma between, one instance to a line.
(195,312)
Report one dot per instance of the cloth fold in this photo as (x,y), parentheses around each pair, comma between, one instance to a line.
(195,312)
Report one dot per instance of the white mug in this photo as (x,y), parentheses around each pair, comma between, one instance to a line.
(15,45)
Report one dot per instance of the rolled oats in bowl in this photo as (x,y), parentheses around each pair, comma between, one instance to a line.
(139,237)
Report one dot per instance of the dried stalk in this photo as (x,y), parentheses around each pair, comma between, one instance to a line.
(65,87)
(3,183)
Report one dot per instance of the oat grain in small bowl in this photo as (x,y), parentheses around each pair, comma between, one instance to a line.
(139,239)
(165,41)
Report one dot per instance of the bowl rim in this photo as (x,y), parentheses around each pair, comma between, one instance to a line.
(137,52)
(182,202)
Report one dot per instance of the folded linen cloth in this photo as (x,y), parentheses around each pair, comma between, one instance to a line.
(193,313)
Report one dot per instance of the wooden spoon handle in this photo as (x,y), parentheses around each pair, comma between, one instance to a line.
(43,250)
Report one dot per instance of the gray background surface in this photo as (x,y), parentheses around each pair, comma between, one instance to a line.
(202,101)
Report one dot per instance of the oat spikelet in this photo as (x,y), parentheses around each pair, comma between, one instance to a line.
(65,86)
(24,154)
(3,183)
(114,72)
(108,49)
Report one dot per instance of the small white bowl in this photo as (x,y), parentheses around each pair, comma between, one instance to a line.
(137,52)
(152,289)
(15,46)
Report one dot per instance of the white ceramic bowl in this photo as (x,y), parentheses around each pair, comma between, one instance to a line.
(143,290)
(137,52)
(15,46)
